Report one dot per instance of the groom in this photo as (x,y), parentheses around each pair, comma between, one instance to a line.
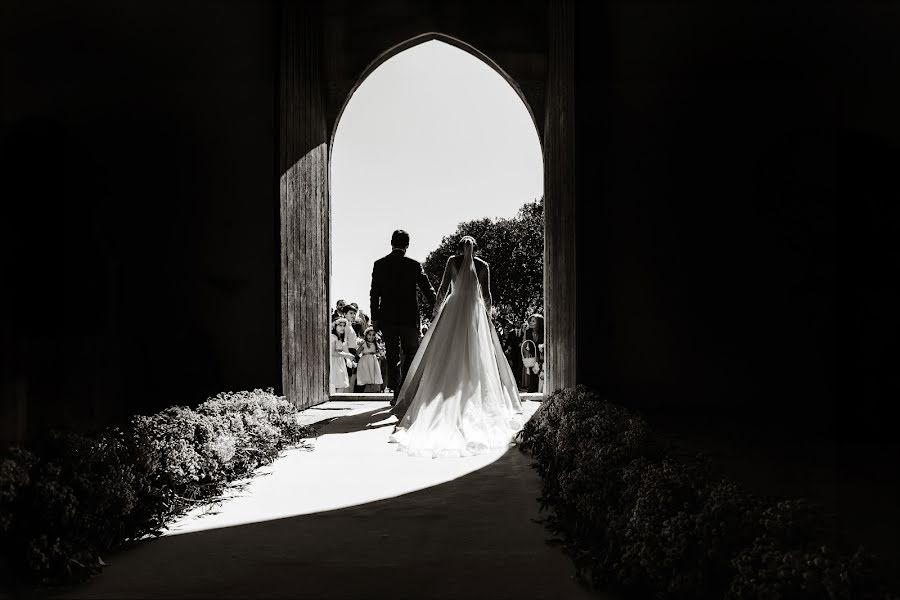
(395,309)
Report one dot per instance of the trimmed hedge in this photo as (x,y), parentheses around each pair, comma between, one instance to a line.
(642,521)
(86,495)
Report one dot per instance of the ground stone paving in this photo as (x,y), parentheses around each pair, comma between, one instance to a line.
(355,518)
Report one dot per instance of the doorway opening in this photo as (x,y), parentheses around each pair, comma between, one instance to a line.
(436,140)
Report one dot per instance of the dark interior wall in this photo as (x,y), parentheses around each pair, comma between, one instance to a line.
(139,219)
(140,225)
(717,266)
(715,257)
(867,65)
(511,33)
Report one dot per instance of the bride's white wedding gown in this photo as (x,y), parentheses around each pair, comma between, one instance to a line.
(461,395)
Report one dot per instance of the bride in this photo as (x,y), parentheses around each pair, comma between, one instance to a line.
(460,397)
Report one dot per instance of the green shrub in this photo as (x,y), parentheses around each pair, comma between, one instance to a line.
(86,495)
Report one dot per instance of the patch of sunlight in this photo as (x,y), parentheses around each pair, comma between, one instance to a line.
(344,469)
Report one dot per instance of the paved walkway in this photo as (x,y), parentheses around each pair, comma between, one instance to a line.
(356,519)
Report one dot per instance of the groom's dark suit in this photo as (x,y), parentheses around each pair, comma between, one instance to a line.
(396,310)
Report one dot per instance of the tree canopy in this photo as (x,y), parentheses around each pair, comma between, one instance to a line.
(514,249)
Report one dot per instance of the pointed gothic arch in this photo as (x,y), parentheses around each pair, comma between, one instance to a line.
(306,135)
(421,39)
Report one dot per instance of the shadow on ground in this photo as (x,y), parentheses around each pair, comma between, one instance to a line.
(471,537)
(364,421)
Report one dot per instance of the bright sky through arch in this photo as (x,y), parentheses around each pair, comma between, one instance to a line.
(431,138)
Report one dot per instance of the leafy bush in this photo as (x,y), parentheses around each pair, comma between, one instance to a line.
(15,475)
(641,520)
(85,495)
(769,569)
(789,559)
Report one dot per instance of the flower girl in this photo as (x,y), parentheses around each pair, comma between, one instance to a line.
(339,357)
(368,372)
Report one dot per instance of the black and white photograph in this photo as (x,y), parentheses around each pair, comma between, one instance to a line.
(432,299)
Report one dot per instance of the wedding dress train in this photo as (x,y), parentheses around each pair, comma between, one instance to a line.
(460,396)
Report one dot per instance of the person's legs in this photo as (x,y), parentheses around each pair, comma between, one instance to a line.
(531,384)
(351,372)
(391,336)
(409,343)
(383,370)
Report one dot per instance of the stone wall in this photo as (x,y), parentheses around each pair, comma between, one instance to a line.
(736,246)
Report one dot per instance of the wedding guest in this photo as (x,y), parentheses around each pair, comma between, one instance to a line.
(340,358)
(502,327)
(350,311)
(356,322)
(338,312)
(543,372)
(515,335)
(359,327)
(363,320)
(523,328)
(368,374)
(535,332)
(523,373)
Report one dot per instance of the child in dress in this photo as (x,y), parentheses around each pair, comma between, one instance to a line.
(339,357)
(368,372)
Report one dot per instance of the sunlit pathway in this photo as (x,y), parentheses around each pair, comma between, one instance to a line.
(356,519)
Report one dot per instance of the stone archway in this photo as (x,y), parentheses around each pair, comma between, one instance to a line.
(305,137)
(431,61)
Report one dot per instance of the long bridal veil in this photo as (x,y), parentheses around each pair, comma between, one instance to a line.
(459,397)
